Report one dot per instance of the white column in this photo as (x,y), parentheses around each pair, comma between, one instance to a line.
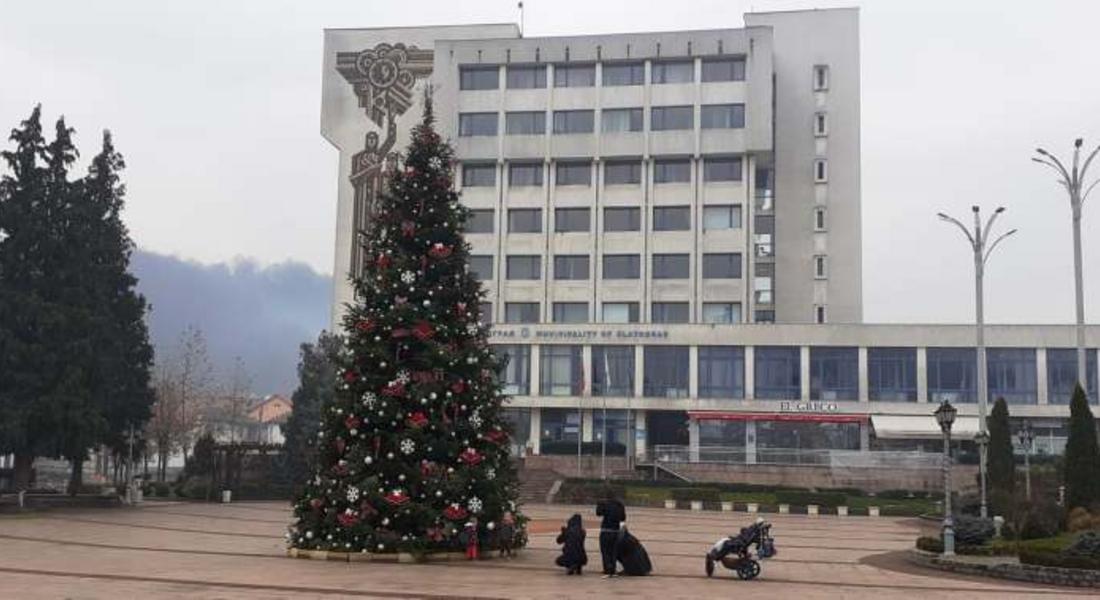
(693,372)
(586,369)
(750,442)
(750,373)
(922,374)
(640,435)
(863,396)
(864,436)
(587,425)
(536,430)
(804,372)
(535,366)
(639,384)
(1041,375)
(693,440)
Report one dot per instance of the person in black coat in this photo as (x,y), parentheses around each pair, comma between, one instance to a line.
(633,555)
(613,513)
(573,557)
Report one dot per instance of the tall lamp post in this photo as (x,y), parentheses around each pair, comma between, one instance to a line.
(1074,180)
(1027,439)
(982,439)
(945,416)
(982,248)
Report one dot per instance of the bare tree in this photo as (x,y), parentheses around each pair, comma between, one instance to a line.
(236,398)
(193,378)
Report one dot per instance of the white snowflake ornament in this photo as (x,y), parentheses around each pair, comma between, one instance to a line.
(408,446)
(353,494)
(403,377)
(474,504)
(369,399)
(408,277)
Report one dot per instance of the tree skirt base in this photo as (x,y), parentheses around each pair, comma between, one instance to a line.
(386,557)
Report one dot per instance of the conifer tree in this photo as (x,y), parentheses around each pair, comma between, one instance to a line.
(1002,463)
(413,444)
(1082,460)
(316,372)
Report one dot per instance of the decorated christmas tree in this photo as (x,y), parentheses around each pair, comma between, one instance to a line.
(412,450)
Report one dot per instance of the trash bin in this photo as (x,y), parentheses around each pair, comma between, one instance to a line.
(227,496)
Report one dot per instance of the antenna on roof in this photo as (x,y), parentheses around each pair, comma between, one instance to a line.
(520,7)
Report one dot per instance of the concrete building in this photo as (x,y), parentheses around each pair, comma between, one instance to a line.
(668,227)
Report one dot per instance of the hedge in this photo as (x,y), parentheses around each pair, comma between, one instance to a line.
(830,499)
(1048,558)
(589,492)
(935,545)
(687,494)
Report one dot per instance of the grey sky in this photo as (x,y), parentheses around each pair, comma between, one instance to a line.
(215,105)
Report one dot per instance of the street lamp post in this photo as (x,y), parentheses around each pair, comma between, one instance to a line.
(945,416)
(1027,438)
(1074,181)
(982,248)
(982,439)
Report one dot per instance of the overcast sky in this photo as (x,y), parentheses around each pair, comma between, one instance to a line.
(215,105)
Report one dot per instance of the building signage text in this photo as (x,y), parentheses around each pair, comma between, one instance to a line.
(809,407)
(535,333)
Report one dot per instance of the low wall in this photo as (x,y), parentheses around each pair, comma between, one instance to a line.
(964,477)
(1008,570)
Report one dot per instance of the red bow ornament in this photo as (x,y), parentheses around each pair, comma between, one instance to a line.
(423,330)
(455,512)
(394,390)
(397,497)
(440,251)
(348,519)
(470,457)
(408,228)
(352,422)
(417,420)
(365,325)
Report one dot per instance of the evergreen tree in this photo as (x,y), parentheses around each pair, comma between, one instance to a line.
(413,444)
(316,372)
(1002,463)
(1082,460)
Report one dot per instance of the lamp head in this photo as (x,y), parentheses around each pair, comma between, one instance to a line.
(975,208)
(1077,142)
(945,415)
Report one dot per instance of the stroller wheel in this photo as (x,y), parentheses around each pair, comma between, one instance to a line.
(710,566)
(749,569)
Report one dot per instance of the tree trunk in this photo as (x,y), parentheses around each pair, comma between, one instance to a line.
(76,476)
(22,475)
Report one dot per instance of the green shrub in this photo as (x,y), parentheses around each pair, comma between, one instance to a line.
(930,544)
(589,492)
(1048,558)
(830,499)
(687,494)
(973,531)
(1087,545)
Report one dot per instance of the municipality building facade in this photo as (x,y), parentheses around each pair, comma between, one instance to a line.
(667,228)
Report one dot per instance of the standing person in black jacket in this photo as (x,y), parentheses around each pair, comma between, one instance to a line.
(613,513)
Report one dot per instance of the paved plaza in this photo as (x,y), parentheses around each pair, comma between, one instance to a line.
(184,550)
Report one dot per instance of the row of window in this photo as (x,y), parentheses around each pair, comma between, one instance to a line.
(487,77)
(613,120)
(616,312)
(891,373)
(722,265)
(616,172)
(719,217)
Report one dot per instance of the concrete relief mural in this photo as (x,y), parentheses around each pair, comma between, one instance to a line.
(383,79)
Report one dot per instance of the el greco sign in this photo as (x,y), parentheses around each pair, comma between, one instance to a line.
(808,407)
(534,333)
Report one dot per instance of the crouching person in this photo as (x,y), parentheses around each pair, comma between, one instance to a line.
(573,557)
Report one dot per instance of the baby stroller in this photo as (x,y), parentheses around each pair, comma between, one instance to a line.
(735,554)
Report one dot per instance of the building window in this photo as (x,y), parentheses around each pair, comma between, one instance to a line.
(570,312)
(722,169)
(819,314)
(892,374)
(526,77)
(567,220)
(524,174)
(479,175)
(571,267)
(573,121)
(951,374)
(524,267)
(722,265)
(671,266)
(525,220)
(667,118)
(821,170)
(517,371)
(723,116)
(762,283)
(820,270)
(632,73)
(620,120)
(481,267)
(723,69)
(669,312)
(621,266)
(573,173)
(721,372)
(764,315)
(763,230)
(821,77)
(719,218)
(666,371)
(819,218)
(721,312)
(561,371)
(525,123)
(1062,374)
(620,312)
(777,440)
(622,172)
(672,171)
(834,373)
(721,436)
(485,312)
(613,371)
(521,312)
(821,124)
(623,218)
(478,78)
(574,75)
(777,372)
(477,124)
(1012,375)
(671,218)
(481,221)
(561,428)
(674,71)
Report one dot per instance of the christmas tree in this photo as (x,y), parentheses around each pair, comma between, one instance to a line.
(412,446)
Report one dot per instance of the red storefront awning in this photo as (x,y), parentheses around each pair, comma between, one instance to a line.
(805,417)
